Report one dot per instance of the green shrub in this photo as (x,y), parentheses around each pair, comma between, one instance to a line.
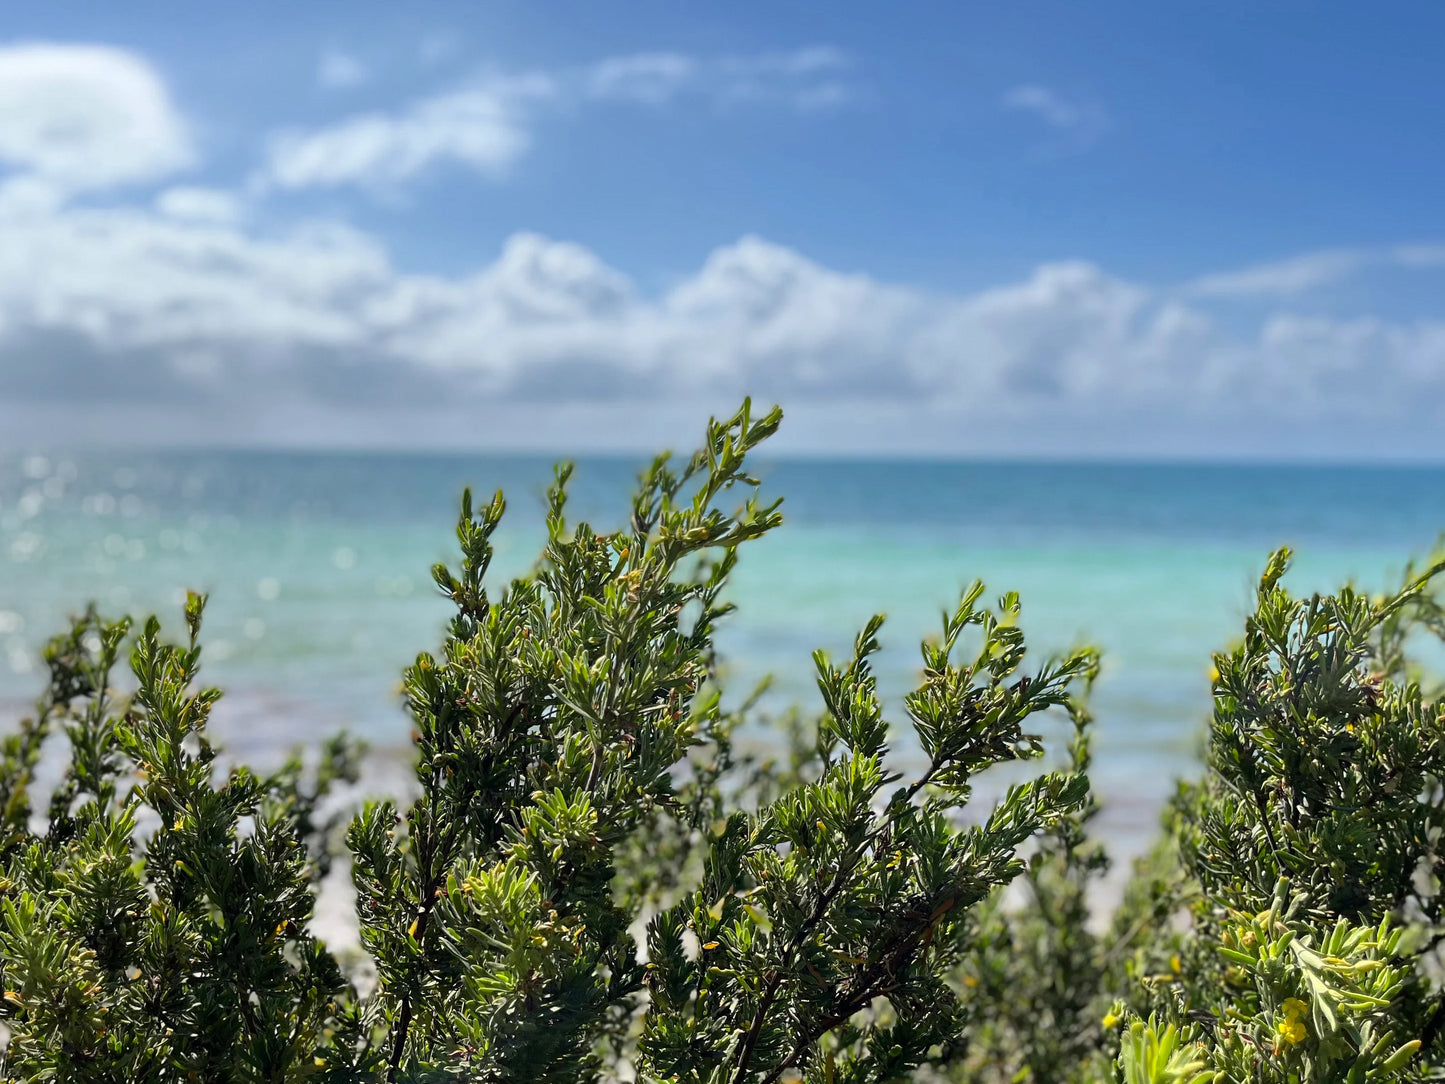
(1286,926)
(594,883)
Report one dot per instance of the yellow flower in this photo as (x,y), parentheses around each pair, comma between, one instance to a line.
(1292,1030)
(1294,1008)
(1110,1021)
(1174,964)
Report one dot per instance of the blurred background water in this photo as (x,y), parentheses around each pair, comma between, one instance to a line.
(318,570)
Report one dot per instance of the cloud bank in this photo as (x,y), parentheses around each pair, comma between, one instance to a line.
(142,306)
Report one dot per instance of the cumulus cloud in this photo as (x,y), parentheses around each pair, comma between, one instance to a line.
(196,204)
(86,116)
(486,125)
(189,311)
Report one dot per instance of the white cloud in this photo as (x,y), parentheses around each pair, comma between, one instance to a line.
(190,308)
(481,127)
(650,78)
(801,79)
(340,71)
(193,204)
(1313,270)
(486,125)
(805,79)
(1081,122)
(86,116)
(1283,278)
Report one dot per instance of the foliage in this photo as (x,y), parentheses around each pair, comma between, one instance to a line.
(1285,927)
(1032,984)
(837,897)
(156,926)
(600,877)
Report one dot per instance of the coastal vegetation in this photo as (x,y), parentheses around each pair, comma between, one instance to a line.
(592,878)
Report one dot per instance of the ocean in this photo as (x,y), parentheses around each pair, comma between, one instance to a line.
(317,565)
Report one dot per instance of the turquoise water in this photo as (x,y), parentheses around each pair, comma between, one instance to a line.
(317,565)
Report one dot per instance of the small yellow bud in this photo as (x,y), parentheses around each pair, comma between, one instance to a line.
(1111,1021)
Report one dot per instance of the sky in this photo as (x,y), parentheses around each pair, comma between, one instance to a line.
(1117,230)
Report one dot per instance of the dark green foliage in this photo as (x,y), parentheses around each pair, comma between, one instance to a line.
(826,921)
(817,916)
(1318,764)
(193,960)
(1284,928)
(548,730)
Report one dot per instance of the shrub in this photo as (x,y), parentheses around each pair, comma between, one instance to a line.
(1286,926)
(156,925)
(592,882)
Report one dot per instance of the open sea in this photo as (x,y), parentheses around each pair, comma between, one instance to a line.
(317,566)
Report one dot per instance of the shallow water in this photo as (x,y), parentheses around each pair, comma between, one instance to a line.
(317,565)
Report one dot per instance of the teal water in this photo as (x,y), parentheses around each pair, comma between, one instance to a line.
(317,565)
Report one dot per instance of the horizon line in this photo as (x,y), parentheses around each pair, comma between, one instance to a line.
(790,456)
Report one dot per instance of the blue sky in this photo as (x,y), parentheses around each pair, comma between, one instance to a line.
(1051,229)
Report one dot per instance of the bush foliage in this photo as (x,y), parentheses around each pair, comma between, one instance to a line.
(593,882)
